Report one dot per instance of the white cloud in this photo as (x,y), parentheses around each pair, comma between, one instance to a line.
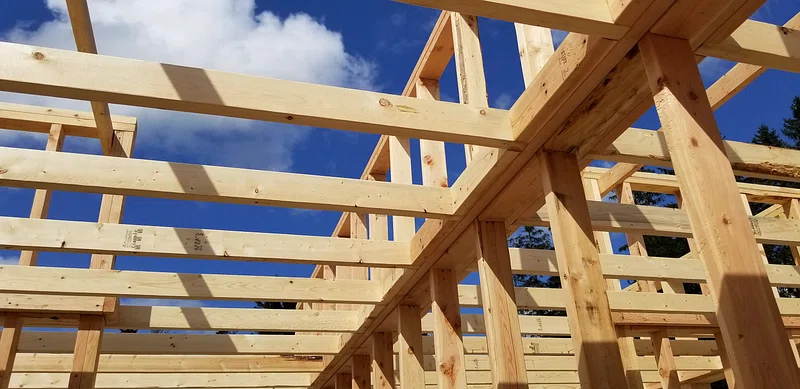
(504,101)
(9,260)
(222,35)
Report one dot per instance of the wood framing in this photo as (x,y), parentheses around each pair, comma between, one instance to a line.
(384,306)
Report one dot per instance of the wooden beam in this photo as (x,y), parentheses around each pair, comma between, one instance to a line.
(344,380)
(185,344)
(650,148)
(535,49)
(469,68)
(761,44)
(361,371)
(88,173)
(588,17)
(500,309)
(191,380)
(593,333)
(409,339)
(383,360)
(97,282)
(39,119)
(84,40)
(448,342)
(155,363)
(156,85)
(667,367)
(719,224)
(432,153)
(84,237)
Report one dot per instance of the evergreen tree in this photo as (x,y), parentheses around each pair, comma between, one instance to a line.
(791,126)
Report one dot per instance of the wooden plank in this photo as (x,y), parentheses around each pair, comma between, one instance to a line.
(718,221)
(587,17)
(535,49)
(636,244)
(163,86)
(500,309)
(383,360)
(88,173)
(593,333)
(183,344)
(650,148)
(344,380)
(153,363)
(602,240)
(761,44)
(87,353)
(124,239)
(169,380)
(233,319)
(361,372)
(667,367)
(97,282)
(40,119)
(432,153)
(469,68)
(403,228)
(9,340)
(84,40)
(449,346)
(409,343)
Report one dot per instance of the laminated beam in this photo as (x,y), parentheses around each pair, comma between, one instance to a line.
(67,74)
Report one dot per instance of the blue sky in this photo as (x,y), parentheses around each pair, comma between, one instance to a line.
(371,44)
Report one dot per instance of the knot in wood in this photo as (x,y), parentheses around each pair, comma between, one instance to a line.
(384,103)
(38,55)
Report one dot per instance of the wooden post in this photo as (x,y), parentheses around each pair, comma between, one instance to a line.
(503,336)
(665,361)
(434,161)
(748,315)
(358,230)
(90,327)
(409,338)
(12,325)
(593,333)
(469,67)
(535,49)
(383,360)
(627,348)
(447,341)
(361,372)
(636,244)
(344,380)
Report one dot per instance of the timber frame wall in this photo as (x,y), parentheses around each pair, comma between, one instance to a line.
(363,313)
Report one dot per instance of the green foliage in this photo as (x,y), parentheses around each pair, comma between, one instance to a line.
(535,238)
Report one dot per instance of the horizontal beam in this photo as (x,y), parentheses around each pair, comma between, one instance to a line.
(667,183)
(180,344)
(650,220)
(73,75)
(74,123)
(161,380)
(645,147)
(34,303)
(148,363)
(88,173)
(154,363)
(123,239)
(758,43)
(116,283)
(591,17)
